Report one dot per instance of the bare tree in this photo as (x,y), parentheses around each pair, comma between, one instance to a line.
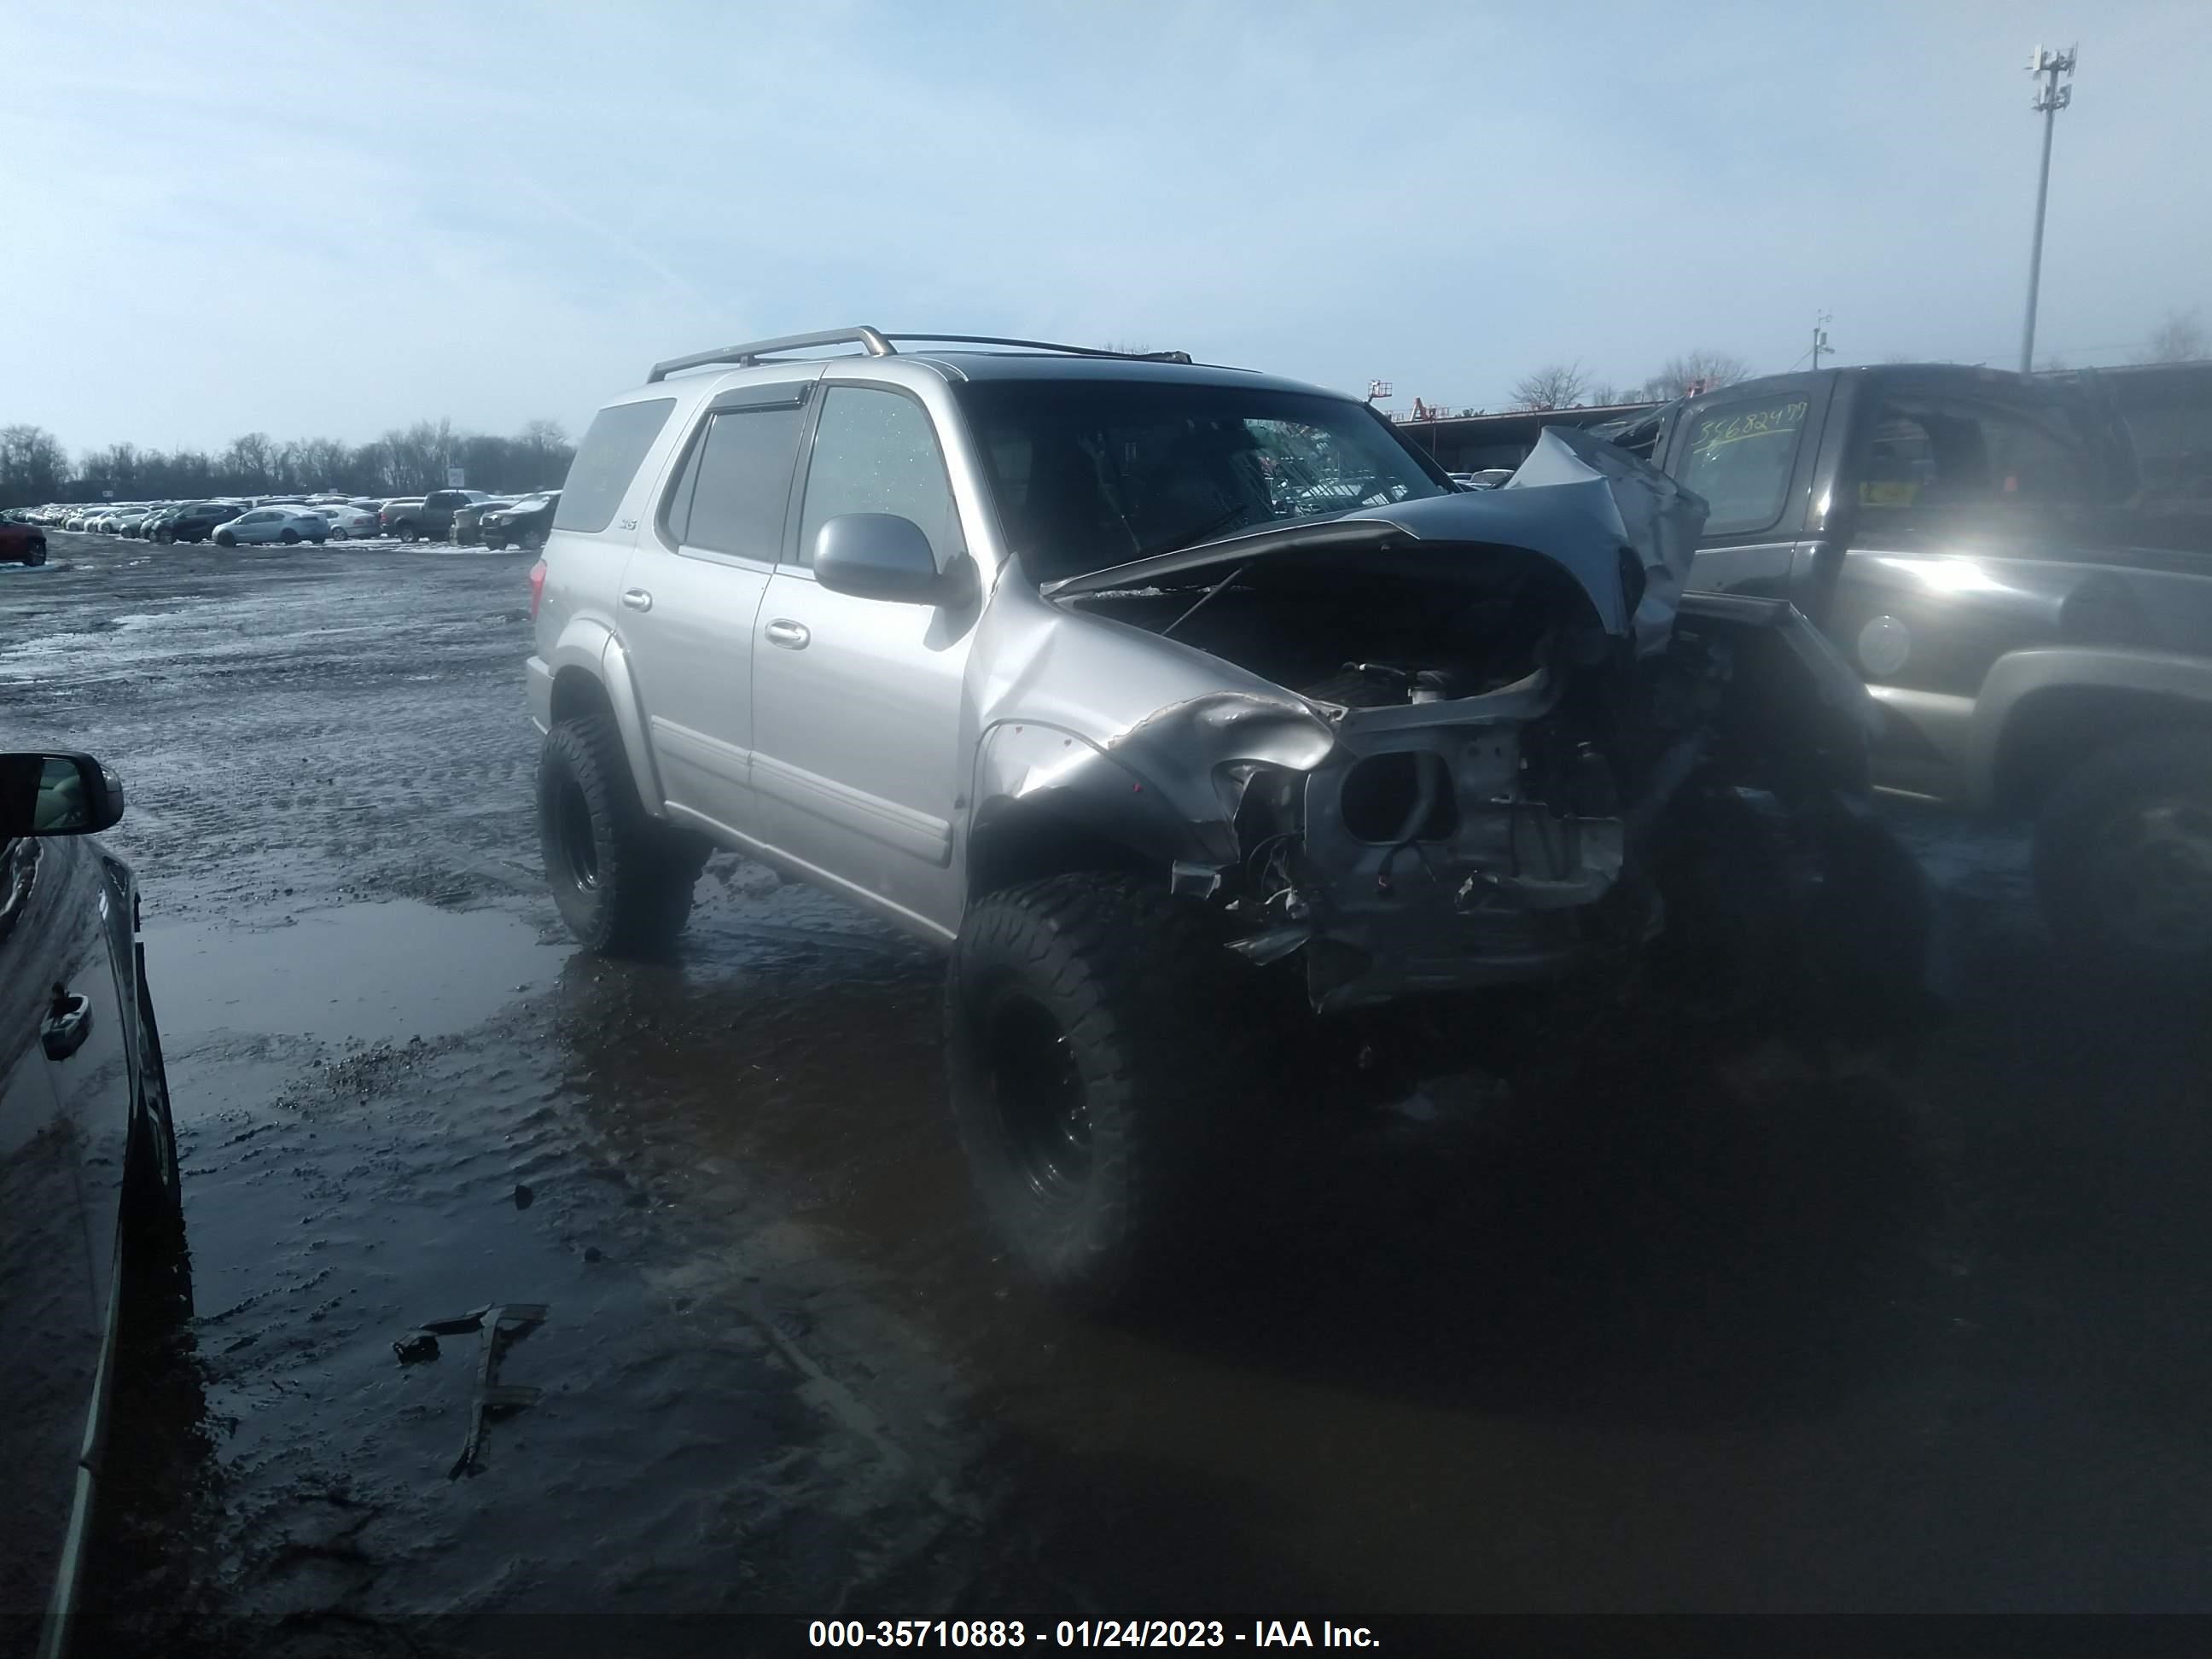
(32,465)
(2179,339)
(1701,370)
(1555,385)
(248,461)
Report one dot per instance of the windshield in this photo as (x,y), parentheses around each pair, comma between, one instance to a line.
(1087,474)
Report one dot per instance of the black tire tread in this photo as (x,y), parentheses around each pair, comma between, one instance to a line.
(646,870)
(2070,815)
(1149,999)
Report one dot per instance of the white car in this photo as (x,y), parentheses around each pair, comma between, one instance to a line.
(348,523)
(287,525)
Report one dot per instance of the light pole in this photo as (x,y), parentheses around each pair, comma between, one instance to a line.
(2050,98)
(1820,339)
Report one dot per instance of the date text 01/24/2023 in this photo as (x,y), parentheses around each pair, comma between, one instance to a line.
(1084,1633)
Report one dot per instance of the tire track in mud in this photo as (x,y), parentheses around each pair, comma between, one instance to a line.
(338,735)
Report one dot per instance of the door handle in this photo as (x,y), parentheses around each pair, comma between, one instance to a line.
(791,635)
(67,1024)
(637,599)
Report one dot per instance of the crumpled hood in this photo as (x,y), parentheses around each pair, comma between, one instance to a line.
(1577,502)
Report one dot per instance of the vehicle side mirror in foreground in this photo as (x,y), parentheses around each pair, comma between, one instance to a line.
(63,794)
(881,555)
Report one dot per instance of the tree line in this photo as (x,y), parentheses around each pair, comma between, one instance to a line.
(34,468)
(2180,338)
(1565,385)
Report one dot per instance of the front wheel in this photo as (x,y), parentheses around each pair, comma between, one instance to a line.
(2123,858)
(623,882)
(497,543)
(37,555)
(224,538)
(531,541)
(1094,1049)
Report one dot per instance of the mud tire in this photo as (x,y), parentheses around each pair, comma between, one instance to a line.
(621,881)
(2094,846)
(1096,997)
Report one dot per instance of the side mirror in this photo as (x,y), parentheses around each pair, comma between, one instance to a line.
(881,555)
(63,795)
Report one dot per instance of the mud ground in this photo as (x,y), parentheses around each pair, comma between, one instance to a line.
(1657,1329)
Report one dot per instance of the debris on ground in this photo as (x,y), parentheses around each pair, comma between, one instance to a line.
(501,1323)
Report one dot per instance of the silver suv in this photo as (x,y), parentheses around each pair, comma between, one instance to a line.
(1193,713)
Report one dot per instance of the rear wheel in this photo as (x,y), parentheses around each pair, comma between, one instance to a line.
(37,555)
(1096,1054)
(2123,858)
(290,538)
(337,535)
(621,880)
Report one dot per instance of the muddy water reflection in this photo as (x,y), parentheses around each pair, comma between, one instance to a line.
(1389,1328)
(381,972)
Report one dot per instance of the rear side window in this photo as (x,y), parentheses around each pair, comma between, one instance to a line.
(1928,457)
(1740,458)
(606,460)
(876,451)
(731,496)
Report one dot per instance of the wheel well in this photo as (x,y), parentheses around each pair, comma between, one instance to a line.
(2049,731)
(1028,843)
(577,695)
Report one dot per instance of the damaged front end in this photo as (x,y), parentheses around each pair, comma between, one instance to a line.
(1441,846)
(1494,708)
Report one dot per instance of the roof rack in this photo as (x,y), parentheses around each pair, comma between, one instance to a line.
(877,344)
(1047,345)
(747,355)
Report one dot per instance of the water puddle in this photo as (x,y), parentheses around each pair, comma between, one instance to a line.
(379,972)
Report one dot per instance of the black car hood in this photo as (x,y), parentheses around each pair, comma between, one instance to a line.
(1577,502)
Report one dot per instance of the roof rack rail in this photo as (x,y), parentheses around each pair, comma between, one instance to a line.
(1045,345)
(877,344)
(745,356)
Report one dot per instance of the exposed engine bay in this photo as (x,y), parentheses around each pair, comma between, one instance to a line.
(1518,745)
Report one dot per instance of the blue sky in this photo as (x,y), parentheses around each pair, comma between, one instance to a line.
(326,219)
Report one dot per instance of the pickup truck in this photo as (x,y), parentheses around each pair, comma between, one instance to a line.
(430,518)
(1968,539)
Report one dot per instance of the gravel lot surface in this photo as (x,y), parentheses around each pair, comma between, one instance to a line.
(1657,1330)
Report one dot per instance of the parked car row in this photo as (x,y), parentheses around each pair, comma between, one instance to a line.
(459,515)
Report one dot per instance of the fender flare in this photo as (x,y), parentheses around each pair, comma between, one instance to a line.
(1026,769)
(2016,676)
(591,647)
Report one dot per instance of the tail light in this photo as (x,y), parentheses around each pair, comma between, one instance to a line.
(536,587)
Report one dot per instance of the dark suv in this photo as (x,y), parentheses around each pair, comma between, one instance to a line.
(195,523)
